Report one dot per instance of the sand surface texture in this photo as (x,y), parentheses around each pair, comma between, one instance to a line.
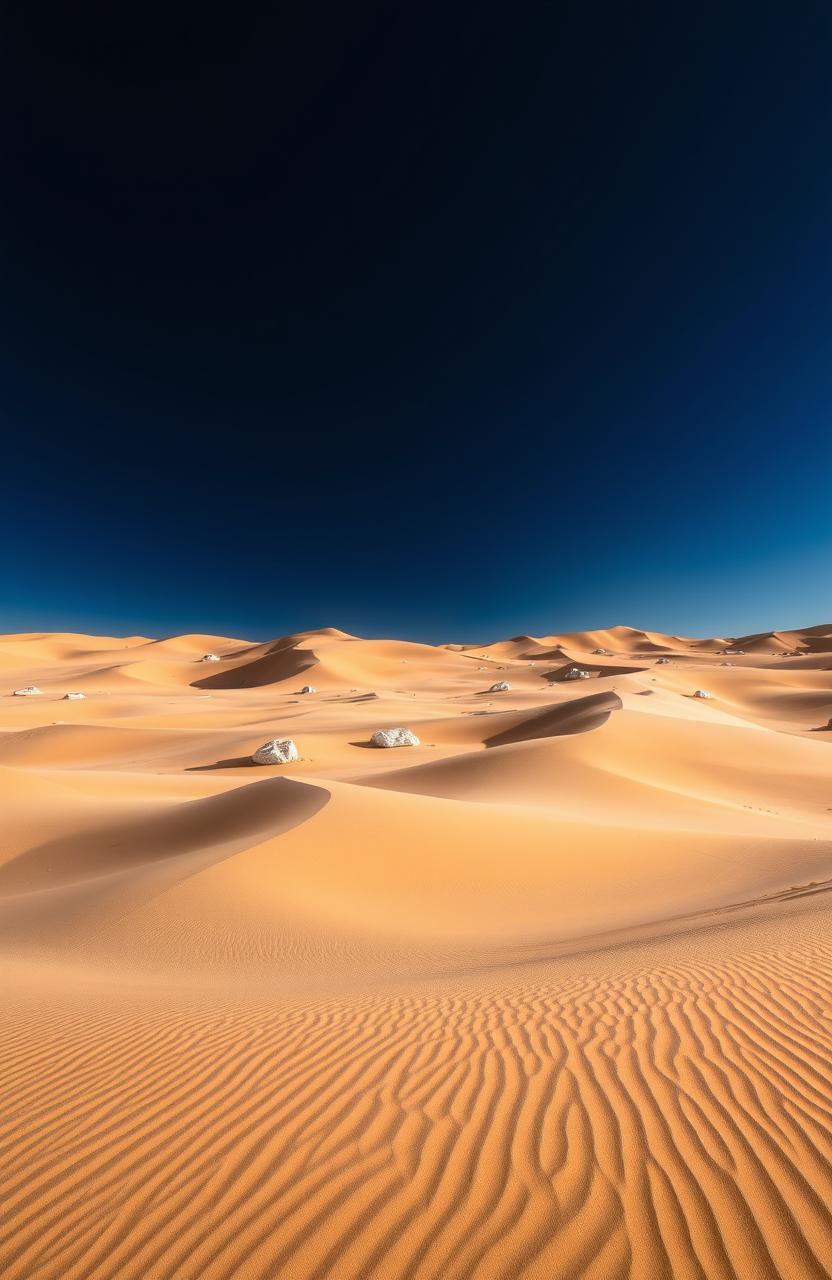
(547,996)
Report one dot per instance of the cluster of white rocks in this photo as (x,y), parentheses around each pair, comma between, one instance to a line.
(28,691)
(500,687)
(210,657)
(394,738)
(603,652)
(660,661)
(702,693)
(576,673)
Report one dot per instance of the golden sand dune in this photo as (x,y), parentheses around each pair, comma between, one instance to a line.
(548,995)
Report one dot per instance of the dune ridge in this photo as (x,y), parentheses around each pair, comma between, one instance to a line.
(549,995)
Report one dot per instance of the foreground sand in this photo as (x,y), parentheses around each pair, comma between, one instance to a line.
(547,996)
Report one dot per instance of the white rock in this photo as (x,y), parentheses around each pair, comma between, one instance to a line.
(309,688)
(28,692)
(726,664)
(660,661)
(576,673)
(210,657)
(702,693)
(74,697)
(394,738)
(605,652)
(500,687)
(277,751)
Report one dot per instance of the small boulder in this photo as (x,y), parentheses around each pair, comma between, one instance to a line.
(309,688)
(500,687)
(277,751)
(661,661)
(74,697)
(394,738)
(702,693)
(210,657)
(28,691)
(602,652)
(576,673)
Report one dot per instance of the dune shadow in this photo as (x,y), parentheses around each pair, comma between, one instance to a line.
(233,762)
(271,668)
(559,675)
(578,716)
(165,846)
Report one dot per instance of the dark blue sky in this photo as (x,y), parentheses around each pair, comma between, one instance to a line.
(447,321)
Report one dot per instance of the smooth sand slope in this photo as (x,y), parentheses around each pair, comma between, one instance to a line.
(549,995)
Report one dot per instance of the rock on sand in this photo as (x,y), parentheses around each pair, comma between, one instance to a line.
(276,751)
(394,738)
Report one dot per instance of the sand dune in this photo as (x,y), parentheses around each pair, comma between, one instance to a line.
(546,996)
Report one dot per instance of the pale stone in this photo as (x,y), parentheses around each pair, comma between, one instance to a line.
(394,738)
(74,697)
(500,687)
(702,693)
(661,661)
(28,691)
(277,751)
(309,688)
(576,673)
(210,657)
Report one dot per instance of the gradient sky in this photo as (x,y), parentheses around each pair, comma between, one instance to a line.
(445,321)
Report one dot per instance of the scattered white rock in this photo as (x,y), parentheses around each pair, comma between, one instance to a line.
(702,693)
(603,652)
(660,661)
(210,657)
(394,738)
(576,673)
(500,687)
(28,691)
(277,751)
(309,688)
(74,697)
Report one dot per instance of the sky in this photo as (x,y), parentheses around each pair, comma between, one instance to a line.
(441,321)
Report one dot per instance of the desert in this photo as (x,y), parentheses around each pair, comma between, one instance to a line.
(547,994)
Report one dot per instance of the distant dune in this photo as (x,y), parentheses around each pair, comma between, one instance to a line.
(547,996)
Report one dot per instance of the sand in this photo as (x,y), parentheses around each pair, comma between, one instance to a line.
(547,996)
